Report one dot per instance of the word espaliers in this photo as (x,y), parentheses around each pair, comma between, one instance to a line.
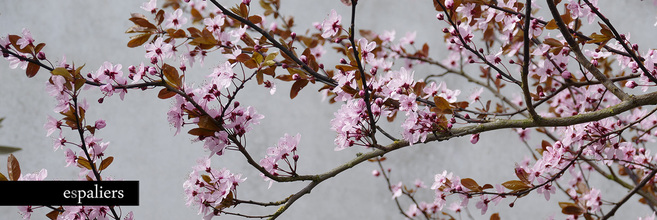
(96,193)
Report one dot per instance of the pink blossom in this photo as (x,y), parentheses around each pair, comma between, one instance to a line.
(4,42)
(222,75)
(347,123)
(204,194)
(53,125)
(214,24)
(483,204)
(476,95)
(412,211)
(546,189)
(71,158)
(407,103)
(331,25)
(41,175)
(139,73)
(447,94)
(175,113)
(175,20)
(593,200)
(455,207)
(523,134)
(158,49)
(652,217)
(409,38)
(396,190)
(271,86)
(15,62)
(150,6)
(26,211)
(26,39)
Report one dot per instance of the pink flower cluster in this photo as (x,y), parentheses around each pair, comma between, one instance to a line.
(207,187)
(286,148)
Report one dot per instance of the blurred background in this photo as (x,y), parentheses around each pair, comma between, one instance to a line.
(142,142)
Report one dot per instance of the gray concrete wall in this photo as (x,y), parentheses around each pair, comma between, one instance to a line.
(90,32)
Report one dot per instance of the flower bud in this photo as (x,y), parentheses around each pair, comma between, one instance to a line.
(41,55)
(100,124)
(566,74)
(376,173)
(630,84)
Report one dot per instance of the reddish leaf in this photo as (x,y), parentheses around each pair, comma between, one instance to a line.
(551,25)
(38,47)
(159,17)
(206,122)
(251,64)
(553,42)
(297,86)
(495,216)
(171,75)
(206,178)
(255,19)
(244,11)
(84,163)
(62,72)
(141,21)
(570,208)
(515,185)
(178,34)
(522,175)
(471,184)
(138,40)
(442,105)
(13,168)
(3,177)
(196,15)
(201,132)
(105,163)
(243,57)
(32,69)
(165,94)
(52,215)
(599,38)
(226,202)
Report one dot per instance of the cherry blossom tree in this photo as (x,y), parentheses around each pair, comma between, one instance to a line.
(578,93)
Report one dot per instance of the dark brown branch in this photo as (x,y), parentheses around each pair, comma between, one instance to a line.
(621,40)
(363,79)
(645,180)
(526,62)
(580,56)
